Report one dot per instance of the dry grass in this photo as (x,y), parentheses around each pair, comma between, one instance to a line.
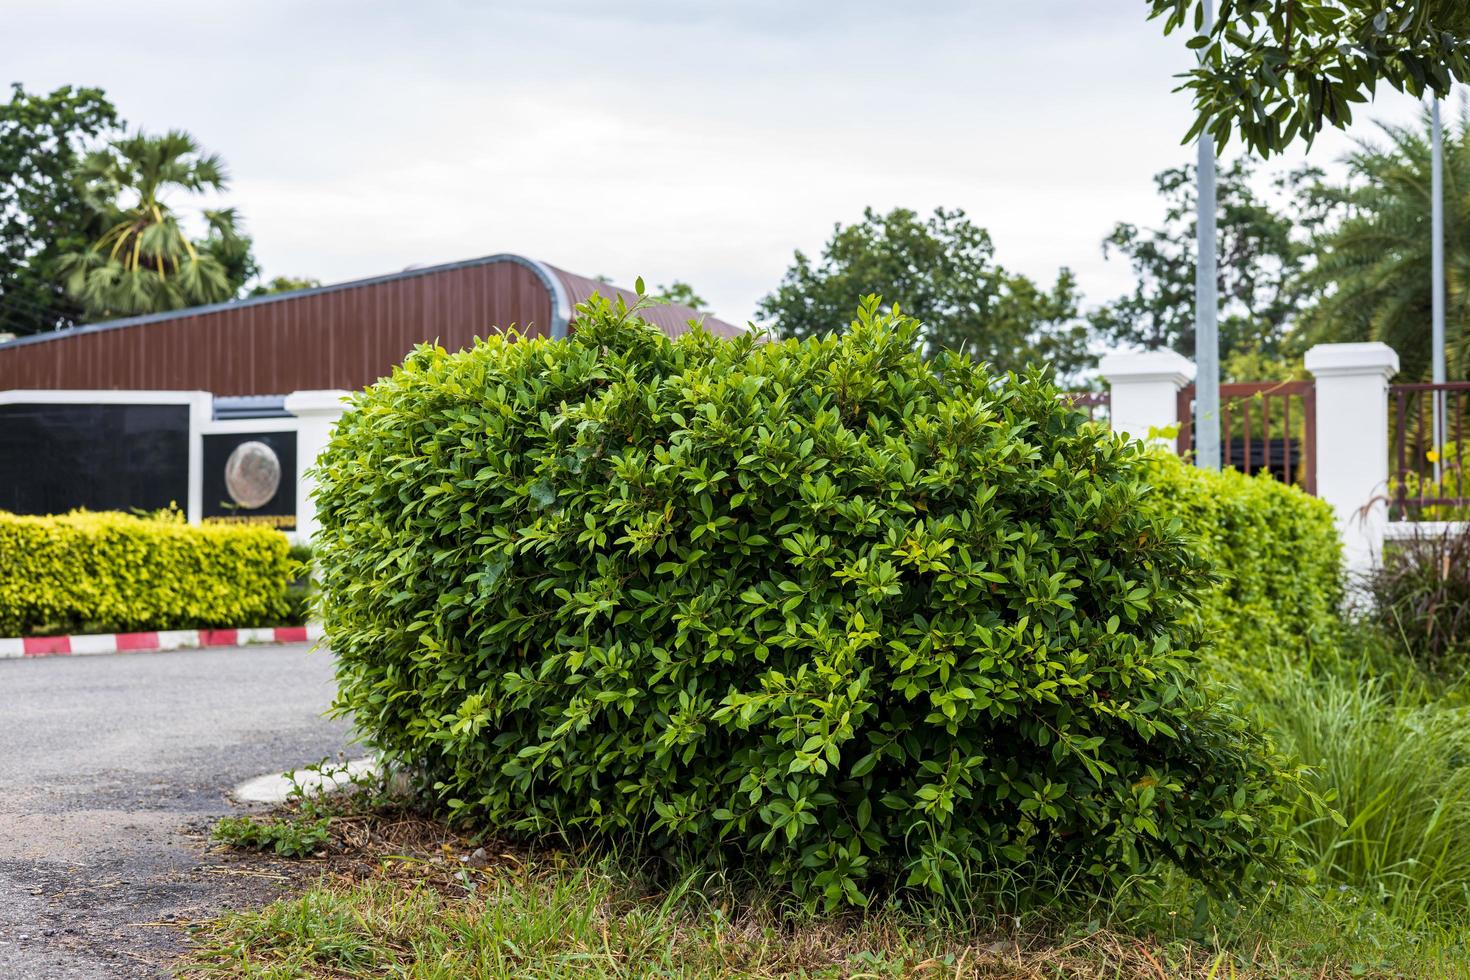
(403,896)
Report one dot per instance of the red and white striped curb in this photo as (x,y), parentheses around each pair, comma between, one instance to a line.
(95,643)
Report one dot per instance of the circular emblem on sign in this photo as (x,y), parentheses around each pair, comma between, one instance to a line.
(252,474)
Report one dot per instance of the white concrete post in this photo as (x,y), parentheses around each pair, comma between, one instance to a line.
(1352,442)
(1145,390)
(317,412)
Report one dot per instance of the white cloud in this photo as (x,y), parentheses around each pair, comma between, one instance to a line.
(700,141)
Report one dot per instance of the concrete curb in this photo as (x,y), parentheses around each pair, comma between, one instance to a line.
(92,644)
(277,787)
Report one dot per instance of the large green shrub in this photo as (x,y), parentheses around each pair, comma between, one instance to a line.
(867,619)
(1274,549)
(109,572)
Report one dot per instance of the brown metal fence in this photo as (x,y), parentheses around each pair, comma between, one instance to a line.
(1429,480)
(1265,426)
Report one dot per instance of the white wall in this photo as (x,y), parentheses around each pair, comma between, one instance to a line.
(1145,390)
(1352,442)
(316,414)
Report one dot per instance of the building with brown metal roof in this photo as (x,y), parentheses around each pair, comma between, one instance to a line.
(342,336)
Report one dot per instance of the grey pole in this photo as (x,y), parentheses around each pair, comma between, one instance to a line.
(1436,225)
(1206,303)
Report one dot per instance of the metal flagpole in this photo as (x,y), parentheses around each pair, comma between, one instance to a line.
(1206,302)
(1436,224)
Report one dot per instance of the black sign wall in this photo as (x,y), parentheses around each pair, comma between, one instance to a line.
(59,457)
(250,478)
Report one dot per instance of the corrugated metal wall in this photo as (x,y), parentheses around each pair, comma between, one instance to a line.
(332,338)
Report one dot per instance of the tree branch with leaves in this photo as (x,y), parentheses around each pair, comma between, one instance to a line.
(1274,71)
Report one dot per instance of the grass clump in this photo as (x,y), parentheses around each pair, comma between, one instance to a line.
(1388,744)
(288,837)
(556,915)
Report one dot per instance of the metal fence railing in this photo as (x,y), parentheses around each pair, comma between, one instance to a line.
(1428,424)
(1265,426)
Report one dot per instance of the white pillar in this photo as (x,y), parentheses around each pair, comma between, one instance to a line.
(1352,442)
(317,412)
(1145,390)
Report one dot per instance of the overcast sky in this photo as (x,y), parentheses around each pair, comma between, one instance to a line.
(703,141)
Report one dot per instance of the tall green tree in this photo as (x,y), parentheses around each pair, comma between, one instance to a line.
(283,284)
(1373,269)
(144,261)
(1274,71)
(1264,247)
(43,209)
(941,270)
(683,294)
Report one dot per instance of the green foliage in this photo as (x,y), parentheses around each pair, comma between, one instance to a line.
(328,789)
(1252,364)
(1275,549)
(301,590)
(1408,488)
(1421,597)
(1374,266)
(1263,249)
(941,271)
(1277,71)
(143,261)
(1396,765)
(43,212)
(106,572)
(283,284)
(866,620)
(683,294)
(288,837)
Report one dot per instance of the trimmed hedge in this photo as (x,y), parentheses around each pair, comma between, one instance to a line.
(110,572)
(866,620)
(1276,552)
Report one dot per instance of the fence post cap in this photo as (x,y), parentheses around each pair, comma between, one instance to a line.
(1371,359)
(1144,366)
(320,402)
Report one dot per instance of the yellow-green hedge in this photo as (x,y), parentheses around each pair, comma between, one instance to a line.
(1274,548)
(109,572)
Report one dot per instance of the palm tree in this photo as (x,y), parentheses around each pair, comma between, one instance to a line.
(144,262)
(1373,267)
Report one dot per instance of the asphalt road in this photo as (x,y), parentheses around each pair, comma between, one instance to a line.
(112,770)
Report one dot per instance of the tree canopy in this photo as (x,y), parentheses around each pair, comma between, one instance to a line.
(283,284)
(1373,269)
(1274,71)
(940,270)
(144,260)
(1264,247)
(43,211)
(88,226)
(682,293)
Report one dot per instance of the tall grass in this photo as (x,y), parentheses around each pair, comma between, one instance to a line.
(593,920)
(1396,767)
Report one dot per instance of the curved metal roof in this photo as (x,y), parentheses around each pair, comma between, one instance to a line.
(567,290)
